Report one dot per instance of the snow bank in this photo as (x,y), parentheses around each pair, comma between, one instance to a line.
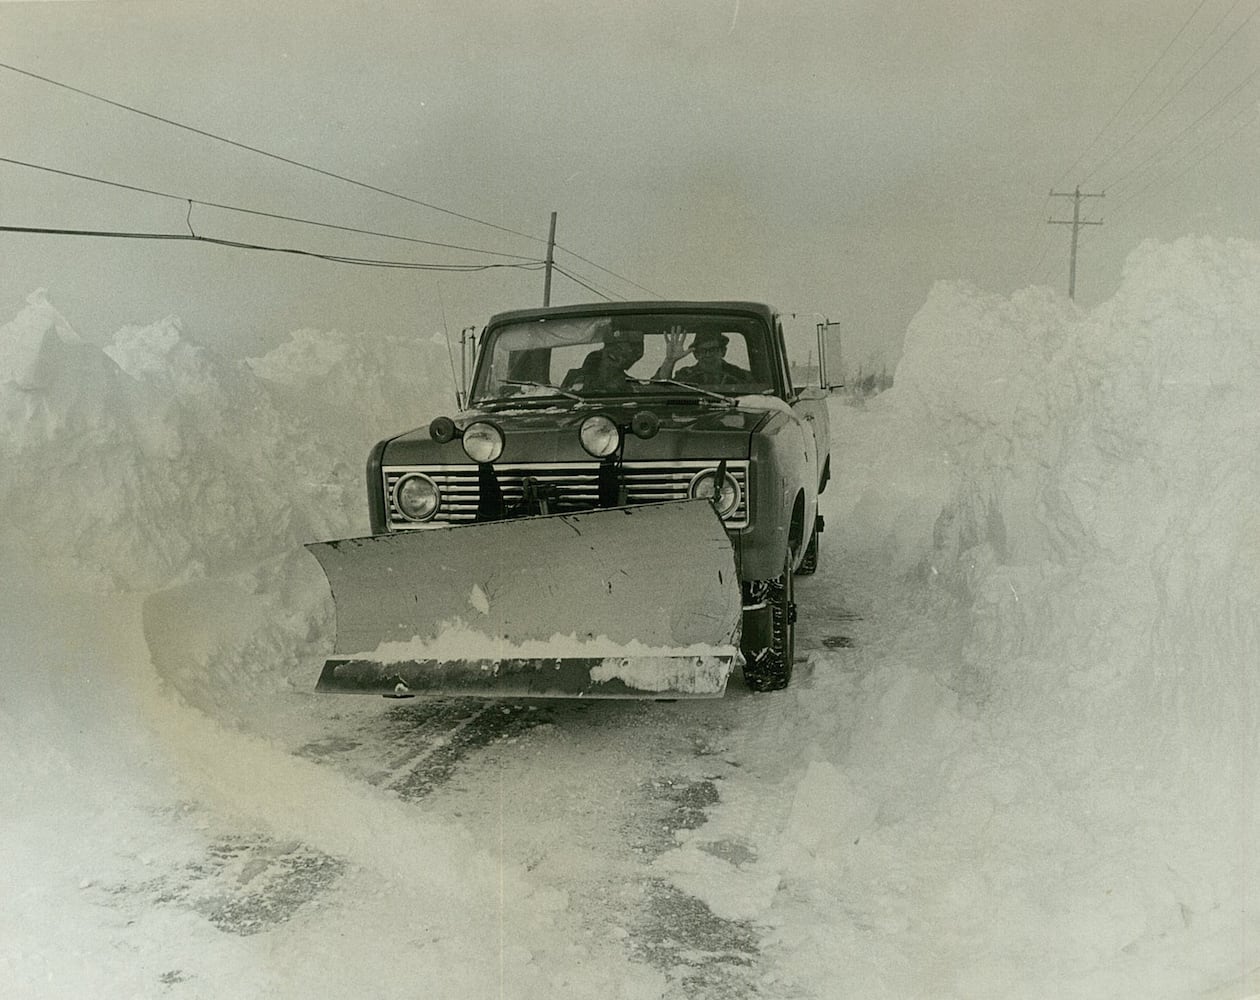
(1034,769)
(1102,525)
(1045,772)
(158,460)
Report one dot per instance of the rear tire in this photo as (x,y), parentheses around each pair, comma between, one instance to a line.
(770,667)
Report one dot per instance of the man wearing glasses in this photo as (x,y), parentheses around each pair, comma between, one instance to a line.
(711,369)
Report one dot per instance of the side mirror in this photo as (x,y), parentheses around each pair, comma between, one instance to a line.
(830,373)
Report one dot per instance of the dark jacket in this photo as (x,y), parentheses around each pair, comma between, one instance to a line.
(727,374)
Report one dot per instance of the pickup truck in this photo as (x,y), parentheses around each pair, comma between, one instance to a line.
(578,407)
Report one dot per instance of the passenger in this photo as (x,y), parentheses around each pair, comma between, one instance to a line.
(604,369)
(711,368)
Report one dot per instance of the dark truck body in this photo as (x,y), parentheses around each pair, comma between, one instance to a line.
(765,439)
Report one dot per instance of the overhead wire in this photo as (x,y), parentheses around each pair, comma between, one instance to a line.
(1251,77)
(1255,114)
(1198,48)
(1172,97)
(262,152)
(1149,167)
(1040,237)
(592,284)
(318,170)
(1125,103)
(1047,240)
(254,211)
(614,274)
(532,265)
(590,288)
(1164,148)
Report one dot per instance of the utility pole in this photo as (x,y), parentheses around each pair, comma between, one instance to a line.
(551,256)
(1076,224)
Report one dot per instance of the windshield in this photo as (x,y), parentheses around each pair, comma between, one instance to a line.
(600,356)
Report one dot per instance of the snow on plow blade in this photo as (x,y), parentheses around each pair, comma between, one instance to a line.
(627,602)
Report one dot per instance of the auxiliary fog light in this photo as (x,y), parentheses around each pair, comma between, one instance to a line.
(443,429)
(599,435)
(726,500)
(645,424)
(417,497)
(483,442)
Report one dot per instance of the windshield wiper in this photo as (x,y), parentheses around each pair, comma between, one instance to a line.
(693,388)
(543,385)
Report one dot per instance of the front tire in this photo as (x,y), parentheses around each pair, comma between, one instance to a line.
(768,665)
(809,561)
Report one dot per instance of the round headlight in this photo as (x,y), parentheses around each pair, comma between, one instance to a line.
(726,499)
(417,497)
(483,442)
(599,435)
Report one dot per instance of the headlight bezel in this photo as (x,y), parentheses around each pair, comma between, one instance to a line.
(730,483)
(402,507)
(610,435)
(483,442)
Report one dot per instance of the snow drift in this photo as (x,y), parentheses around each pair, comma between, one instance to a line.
(1056,780)
(157,459)
(1034,772)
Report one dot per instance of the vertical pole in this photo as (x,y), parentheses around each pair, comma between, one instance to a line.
(822,355)
(1076,229)
(463,364)
(1076,224)
(551,255)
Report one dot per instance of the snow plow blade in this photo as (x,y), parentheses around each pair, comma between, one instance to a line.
(626,602)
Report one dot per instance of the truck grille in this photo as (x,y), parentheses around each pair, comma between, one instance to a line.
(576,485)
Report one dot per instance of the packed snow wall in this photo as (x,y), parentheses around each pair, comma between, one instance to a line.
(1081,481)
(156,459)
(1086,489)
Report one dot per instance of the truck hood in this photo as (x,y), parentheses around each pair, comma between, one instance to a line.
(550,433)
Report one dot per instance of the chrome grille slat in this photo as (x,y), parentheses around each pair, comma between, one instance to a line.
(646,482)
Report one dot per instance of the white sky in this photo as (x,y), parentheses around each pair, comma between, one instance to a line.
(830,158)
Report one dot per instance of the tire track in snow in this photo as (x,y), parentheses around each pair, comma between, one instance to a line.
(419,746)
(621,779)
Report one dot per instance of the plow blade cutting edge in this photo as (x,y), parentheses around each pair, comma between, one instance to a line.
(627,602)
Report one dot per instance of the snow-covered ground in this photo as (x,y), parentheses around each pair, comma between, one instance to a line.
(1019,758)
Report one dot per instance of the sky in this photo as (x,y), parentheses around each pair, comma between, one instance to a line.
(833,159)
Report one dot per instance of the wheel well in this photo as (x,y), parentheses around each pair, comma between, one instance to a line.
(796,528)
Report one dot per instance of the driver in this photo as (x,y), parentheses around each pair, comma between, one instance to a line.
(604,369)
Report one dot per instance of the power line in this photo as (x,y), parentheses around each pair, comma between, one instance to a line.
(239,245)
(1198,48)
(1163,107)
(1224,100)
(305,166)
(1220,142)
(1046,242)
(579,281)
(1125,103)
(606,271)
(1040,236)
(1147,167)
(263,152)
(253,211)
